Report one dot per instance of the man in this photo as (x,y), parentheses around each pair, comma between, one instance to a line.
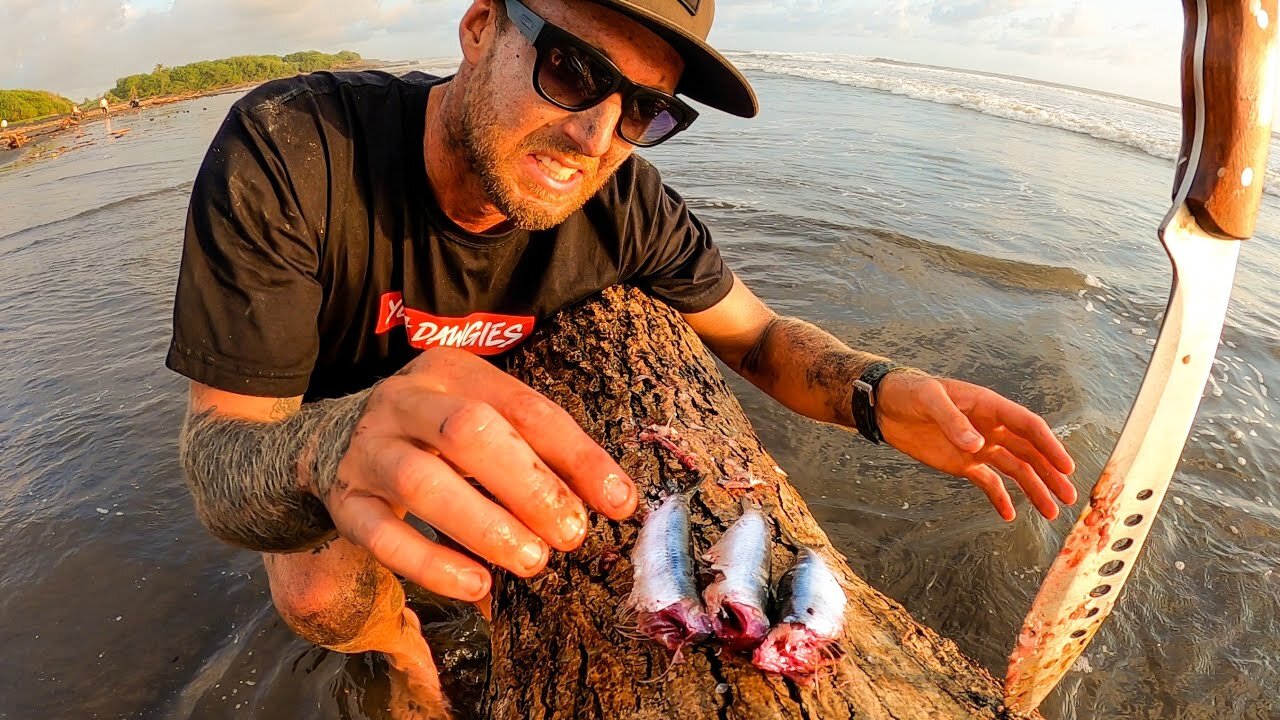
(357,244)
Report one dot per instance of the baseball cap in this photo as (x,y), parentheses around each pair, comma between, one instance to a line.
(708,77)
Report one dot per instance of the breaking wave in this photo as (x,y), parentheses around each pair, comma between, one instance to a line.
(1148,127)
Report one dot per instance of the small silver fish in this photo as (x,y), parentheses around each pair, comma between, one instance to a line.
(665,596)
(738,600)
(806,638)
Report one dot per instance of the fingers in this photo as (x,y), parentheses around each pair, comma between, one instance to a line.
(1023,474)
(434,492)
(990,483)
(485,607)
(1035,430)
(545,427)
(1017,442)
(954,423)
(450,414)
(583,464)
(480,441)
(370,523)
(1058,483)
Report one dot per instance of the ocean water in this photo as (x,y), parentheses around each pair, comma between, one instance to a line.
(990,229)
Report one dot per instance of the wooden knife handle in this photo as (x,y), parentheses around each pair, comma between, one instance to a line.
(1228,91)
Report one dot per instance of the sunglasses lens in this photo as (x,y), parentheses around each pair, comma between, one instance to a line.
(573,78)
(650,119)
(576,77)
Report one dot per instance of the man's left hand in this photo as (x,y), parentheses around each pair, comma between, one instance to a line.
(972,432)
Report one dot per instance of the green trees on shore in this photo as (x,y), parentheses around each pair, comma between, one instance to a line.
(19,105)
(215,74)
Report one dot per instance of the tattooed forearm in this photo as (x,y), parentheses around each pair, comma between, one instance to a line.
(258,485)
(807,369)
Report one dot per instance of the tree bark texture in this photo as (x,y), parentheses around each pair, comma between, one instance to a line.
(621,363)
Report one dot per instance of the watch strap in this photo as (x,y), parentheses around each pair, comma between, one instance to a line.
(863,401)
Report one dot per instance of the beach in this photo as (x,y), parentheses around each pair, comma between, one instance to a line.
(986,228)
(17,140)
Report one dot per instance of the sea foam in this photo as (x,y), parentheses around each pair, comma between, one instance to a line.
(1148,127)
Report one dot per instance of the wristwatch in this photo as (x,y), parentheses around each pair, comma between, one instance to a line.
(863,402)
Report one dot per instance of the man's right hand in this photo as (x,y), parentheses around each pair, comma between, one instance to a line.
(449,415)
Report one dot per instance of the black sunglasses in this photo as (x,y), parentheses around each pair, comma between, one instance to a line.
(572,75)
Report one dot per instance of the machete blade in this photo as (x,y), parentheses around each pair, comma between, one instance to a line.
(1229,84)
(1085,579)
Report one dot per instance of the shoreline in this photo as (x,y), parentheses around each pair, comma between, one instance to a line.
(40,141)
(34,132)
(28,135)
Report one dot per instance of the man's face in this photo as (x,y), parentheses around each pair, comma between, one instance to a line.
(537,162)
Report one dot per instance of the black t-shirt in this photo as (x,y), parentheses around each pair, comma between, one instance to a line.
(317,261)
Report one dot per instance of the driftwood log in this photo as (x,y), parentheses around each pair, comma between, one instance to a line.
(619,364)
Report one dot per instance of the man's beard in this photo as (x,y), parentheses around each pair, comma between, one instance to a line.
(478,135)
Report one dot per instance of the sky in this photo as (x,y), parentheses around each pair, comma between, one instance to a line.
(79,47)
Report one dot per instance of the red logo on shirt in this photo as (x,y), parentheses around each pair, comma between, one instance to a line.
(480,333)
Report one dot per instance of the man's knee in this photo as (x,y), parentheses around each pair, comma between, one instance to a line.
(334,601)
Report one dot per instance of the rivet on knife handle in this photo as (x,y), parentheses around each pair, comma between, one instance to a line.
(1233,108)
(1229,77)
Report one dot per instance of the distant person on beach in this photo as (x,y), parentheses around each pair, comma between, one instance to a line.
(103,104)
(359,244)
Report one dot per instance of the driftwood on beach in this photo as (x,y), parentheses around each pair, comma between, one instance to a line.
(622,363)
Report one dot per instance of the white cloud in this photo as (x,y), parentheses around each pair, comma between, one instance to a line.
(965,13)
(1082,20)
(821,18)
(82,46)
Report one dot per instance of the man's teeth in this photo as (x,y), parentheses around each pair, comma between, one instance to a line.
(555,169)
